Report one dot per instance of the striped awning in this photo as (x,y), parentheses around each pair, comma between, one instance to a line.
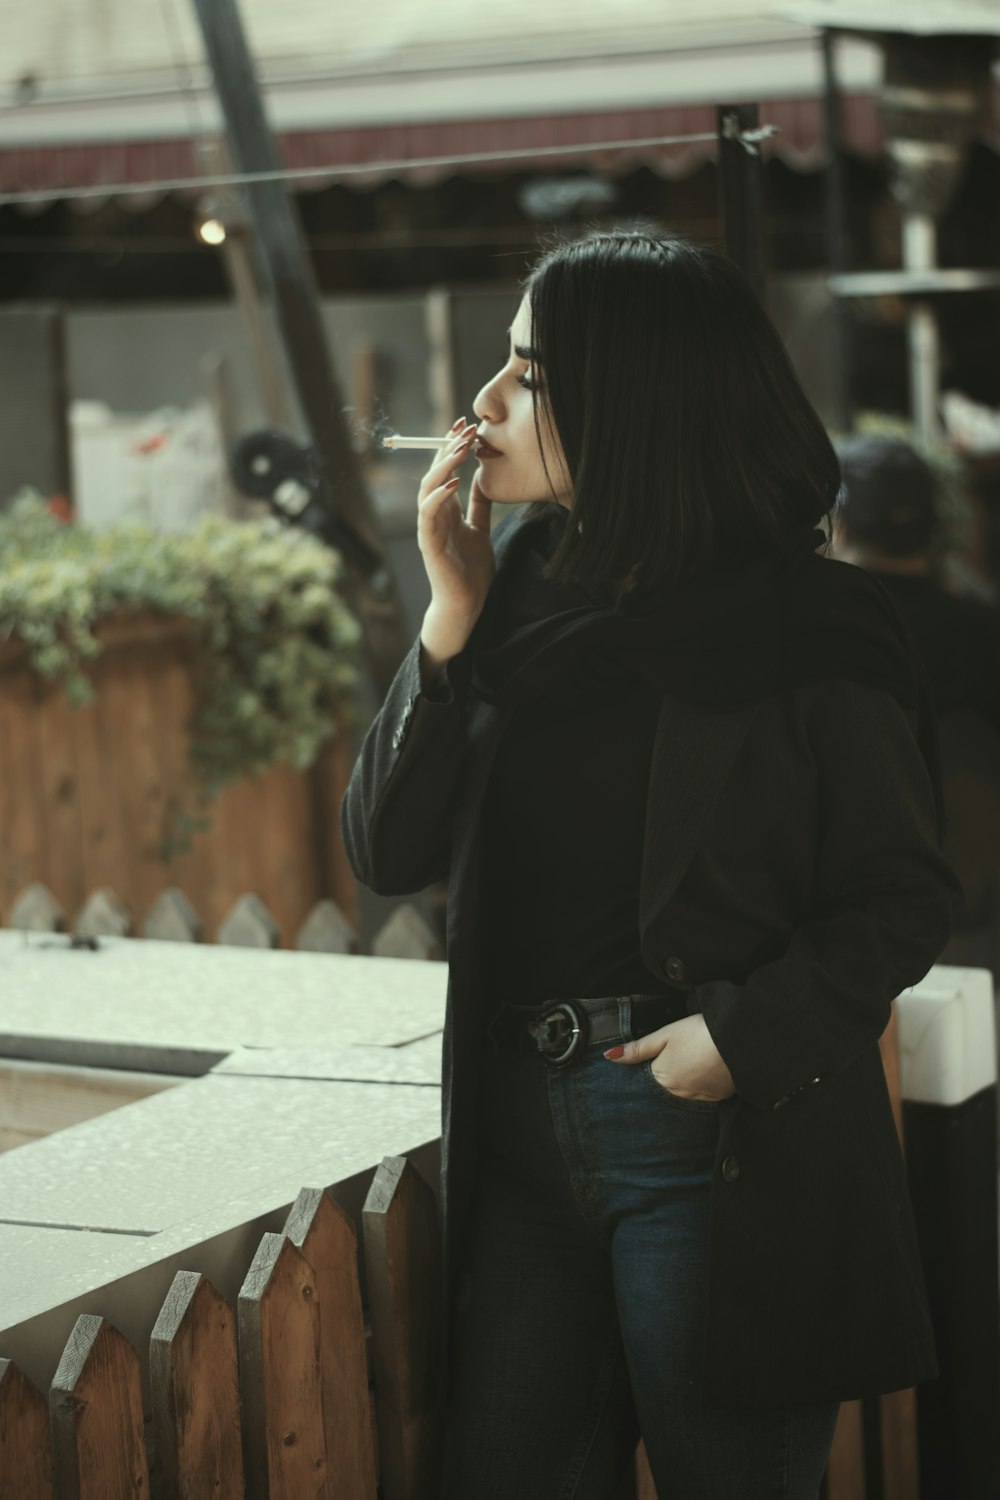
(429,151)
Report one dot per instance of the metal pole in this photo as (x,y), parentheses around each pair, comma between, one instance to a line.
(226,205)
(740,195)
(920,254)
(289,276)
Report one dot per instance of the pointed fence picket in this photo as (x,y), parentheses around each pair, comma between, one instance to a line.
(25,1454)
(195,1392)
(281,1374)
(328,1240)
(95,1407)
(248,924)
(403,1256)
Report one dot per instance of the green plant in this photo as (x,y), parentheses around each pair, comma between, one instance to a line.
(276,646)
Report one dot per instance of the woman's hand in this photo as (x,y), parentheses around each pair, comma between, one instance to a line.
(456,547)
(685,1060)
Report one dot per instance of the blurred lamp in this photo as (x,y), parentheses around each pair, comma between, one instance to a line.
(211,231)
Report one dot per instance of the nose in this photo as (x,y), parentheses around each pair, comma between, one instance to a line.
(488,406)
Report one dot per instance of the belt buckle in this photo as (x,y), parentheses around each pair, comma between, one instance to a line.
(563,1023)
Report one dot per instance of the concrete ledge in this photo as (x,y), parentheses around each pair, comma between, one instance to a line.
(302,1070)
(181,1008)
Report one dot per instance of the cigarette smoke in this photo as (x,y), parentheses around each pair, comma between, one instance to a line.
(368,434)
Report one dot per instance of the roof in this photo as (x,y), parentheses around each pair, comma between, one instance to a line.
(103,39)
(113,39)
(120,86)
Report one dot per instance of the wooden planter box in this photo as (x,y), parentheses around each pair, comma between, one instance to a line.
(87,794)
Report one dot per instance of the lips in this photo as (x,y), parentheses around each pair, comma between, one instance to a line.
(486,450)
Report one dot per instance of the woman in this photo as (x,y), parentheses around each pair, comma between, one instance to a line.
(679,769)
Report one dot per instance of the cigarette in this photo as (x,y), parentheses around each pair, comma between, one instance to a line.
(394,440)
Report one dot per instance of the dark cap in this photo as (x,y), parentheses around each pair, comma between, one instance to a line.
(888,496)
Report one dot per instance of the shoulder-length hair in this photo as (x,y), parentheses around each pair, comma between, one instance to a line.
(685,430)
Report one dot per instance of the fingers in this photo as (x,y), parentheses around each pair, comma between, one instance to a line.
(446,443)
(431,504)
(454,452)
(480,507)
(643,1048)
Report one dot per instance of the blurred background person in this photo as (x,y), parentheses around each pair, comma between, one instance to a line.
(888,521)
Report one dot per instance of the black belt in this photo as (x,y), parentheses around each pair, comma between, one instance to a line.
(561,1030)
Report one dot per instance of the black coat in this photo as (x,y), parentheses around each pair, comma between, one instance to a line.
(792,885)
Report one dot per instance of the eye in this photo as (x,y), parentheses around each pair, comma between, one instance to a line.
(529,385)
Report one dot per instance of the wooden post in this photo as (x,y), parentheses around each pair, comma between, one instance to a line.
(889,1048)
(402,1255)
(25,1456)
(898,1435)
(37,910)
(279,1345)
(216,376)
(438,311)
(249,925)
(95,1405)
(329,1243)
(172,919)
(405,934)
(195,1392)
(845,1469)
(897,1409)
(327,930)
(645,1489)
(104,914)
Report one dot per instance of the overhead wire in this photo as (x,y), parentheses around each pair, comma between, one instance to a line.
(748,138)
(182,69)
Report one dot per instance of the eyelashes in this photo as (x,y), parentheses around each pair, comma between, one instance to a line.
(524,380)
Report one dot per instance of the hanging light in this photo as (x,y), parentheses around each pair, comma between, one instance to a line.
(211,231)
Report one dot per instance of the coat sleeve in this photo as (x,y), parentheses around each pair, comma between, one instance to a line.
(885,901)
(395,817)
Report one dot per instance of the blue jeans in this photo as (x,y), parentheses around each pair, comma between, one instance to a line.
(582,1306)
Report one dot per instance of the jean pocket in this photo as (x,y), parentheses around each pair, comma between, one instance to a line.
(695,1106)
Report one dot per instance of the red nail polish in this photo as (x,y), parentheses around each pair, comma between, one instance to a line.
(614,1052)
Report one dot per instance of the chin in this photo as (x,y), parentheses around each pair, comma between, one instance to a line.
(496,499)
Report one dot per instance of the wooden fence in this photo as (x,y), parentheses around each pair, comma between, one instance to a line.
(297,1394)
(294,1396)
(248,923)
(92,797)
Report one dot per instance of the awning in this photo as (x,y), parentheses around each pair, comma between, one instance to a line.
(800,143)
(429,151)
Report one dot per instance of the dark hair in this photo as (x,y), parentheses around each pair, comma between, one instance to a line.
(684,427)
(888,500)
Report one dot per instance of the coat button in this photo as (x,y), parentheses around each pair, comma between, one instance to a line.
(674,969)
(730,1169)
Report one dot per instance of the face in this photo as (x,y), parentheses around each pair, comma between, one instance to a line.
(511,467)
